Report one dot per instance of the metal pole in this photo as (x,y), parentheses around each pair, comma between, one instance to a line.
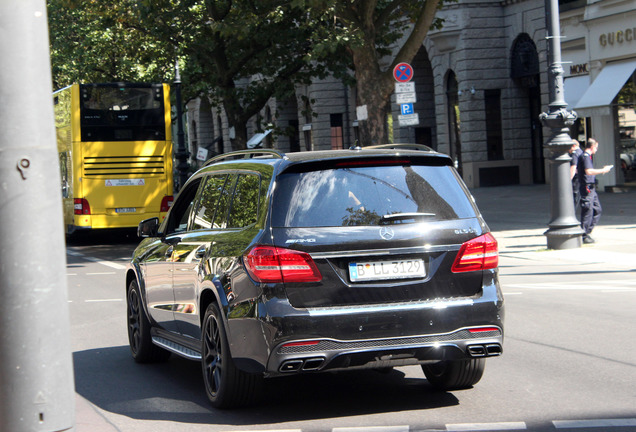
(182,153)
(37,392)
(564,229)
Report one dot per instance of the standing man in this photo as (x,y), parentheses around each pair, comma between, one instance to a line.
(575,152)
(590,205)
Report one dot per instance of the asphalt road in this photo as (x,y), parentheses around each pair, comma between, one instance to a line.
(568,362)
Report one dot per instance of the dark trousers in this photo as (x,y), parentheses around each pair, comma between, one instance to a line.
(590,208)
(576,194)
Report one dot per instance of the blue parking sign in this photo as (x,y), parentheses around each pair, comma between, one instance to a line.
(407,108)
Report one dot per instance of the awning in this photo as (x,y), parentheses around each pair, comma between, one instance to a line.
(603,90)
(574,88)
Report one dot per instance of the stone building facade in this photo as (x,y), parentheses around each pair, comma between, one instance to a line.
(481,83)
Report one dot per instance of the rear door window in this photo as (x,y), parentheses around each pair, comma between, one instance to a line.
(369,195)
(244,209)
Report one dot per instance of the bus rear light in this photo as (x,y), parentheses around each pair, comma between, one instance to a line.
(166,203)
(271,264)
(81,206)
(480,253)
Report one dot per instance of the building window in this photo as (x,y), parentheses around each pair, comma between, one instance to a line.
(336,132)
(494,136)
(454,133)
(294,139)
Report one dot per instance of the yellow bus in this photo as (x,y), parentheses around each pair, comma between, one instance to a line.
(115,148)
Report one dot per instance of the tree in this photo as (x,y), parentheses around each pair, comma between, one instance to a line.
(238,53)
(366,31)
(91,41)
(242,53)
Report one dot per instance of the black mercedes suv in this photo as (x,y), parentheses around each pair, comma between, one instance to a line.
(271,264)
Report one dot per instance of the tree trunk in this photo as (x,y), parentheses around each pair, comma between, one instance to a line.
(373,89)
(240,136)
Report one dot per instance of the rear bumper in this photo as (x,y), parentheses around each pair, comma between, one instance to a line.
(329,354)
(373,336)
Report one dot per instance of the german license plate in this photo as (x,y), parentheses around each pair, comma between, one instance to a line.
(125,210)
(382,270)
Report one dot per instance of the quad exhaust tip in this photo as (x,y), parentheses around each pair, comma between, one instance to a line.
(487,350)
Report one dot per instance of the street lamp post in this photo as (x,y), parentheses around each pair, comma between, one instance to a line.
(182,153)
(564,229)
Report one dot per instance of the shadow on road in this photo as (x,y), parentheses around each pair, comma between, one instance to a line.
(103,237)
(173,391)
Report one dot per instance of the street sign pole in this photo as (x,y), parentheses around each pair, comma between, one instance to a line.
(37,391)
(405,95)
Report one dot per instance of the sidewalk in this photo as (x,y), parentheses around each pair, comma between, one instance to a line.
(518,216)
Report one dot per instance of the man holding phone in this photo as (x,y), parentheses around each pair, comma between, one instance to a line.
(590,205)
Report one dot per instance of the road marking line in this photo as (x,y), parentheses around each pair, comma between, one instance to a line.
(96,260)
(594,423)
(106,263)
(278,430)
(619,290)
(103,300)
(486,426)
(619,285)
(372,429)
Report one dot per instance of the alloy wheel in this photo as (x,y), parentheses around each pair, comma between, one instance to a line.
(212,356)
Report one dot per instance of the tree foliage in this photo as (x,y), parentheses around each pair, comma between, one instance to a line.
(91,41)
(241,53)
(376,35)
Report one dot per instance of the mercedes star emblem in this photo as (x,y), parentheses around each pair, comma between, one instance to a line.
(386,233)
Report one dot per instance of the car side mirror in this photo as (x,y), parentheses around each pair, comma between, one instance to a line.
(148,228)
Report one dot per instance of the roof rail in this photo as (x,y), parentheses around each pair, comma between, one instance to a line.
(398,146)
(246,154)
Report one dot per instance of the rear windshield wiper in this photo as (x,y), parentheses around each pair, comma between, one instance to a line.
(403,217)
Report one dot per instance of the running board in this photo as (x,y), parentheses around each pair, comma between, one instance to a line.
(176,348)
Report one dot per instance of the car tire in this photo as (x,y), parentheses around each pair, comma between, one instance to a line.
(225,385)
(454,375)
(139,339)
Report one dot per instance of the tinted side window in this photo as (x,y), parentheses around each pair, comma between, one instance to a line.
(223,206)
(364,195)
(208,200)
(244,209)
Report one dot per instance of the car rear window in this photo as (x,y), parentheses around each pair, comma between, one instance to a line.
(369,195)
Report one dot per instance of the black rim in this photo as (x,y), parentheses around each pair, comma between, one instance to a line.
(134,332)
(212,356)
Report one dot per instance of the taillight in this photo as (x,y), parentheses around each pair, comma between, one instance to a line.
(480,253)
(81,206)
(271,264)
(166,203)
